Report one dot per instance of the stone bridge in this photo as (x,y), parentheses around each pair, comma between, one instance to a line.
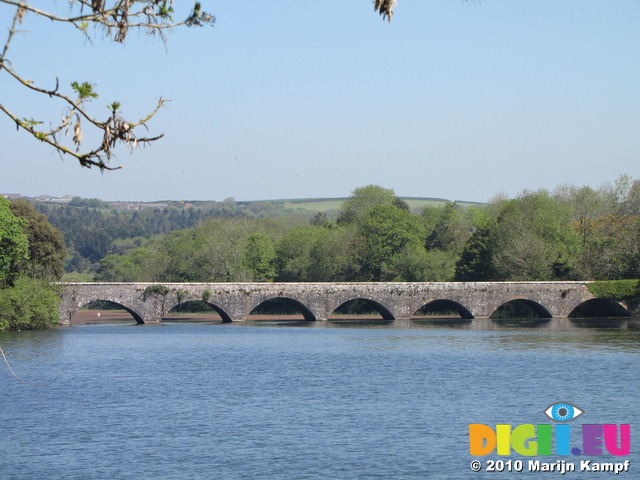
(149,302)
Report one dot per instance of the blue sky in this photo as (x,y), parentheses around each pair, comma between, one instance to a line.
(288,99)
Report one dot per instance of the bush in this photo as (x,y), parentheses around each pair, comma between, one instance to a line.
(156,290)
(29,305)
(615,289)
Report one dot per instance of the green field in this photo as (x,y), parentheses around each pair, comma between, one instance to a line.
(329,205)
(316,204)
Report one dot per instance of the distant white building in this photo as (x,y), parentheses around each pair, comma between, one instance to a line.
(52,199)
(10,196)
(137,205)
(43,198)
(65,199)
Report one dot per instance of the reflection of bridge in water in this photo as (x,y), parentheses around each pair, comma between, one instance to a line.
(149,302)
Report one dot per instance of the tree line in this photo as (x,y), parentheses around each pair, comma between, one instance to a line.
(571,233)
(92,229)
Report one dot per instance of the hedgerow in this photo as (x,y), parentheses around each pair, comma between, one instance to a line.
(616,289)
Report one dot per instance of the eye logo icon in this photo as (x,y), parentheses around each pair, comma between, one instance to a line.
(563,412)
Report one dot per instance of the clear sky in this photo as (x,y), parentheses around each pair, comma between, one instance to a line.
(296,99)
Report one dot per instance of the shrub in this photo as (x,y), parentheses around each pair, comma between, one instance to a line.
(29,305)
(182,294)
(615,289)
(156,290)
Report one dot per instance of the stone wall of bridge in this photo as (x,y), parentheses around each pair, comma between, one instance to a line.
(149,302)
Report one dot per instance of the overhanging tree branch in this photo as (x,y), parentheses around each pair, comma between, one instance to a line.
(117,18)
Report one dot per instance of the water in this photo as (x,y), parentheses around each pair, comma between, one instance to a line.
(277,401)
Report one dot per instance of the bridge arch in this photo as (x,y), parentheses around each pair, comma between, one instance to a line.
(384,311)
(440,305)
(219,310)
(302,308)
(515,307)
(599,307)
(131,310)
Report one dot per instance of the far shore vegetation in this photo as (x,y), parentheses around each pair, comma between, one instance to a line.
(570,233)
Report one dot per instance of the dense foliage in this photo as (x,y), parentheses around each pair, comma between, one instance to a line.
(47,251)
(92,229)
(569,234)
(14,243)
(29,304)
(572,233)
(616,289)
(375,238)
(31,255)
(528,238)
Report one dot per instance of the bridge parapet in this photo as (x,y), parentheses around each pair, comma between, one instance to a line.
(149,302)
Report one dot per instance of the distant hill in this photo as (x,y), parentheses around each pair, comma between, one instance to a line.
(332,205)
(276,208)
(192,212)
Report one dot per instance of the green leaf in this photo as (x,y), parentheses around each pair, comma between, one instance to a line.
(84,90)
(114,107)
(165,10)
(198,18)
(30,122)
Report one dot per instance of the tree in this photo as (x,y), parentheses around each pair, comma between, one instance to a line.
(533,239)
(528,238)
(223,246)
(446,226)
(415,264)
(385,232)
(631,203)
(320,219)
(294,260)
(476,261)
(115,18)
(334,255)
(259,257)
(30,304)
(613,250)
(29,247)
(136,266)
(355,208)
(14,243)
(183,252)
(46,244)
(587,205)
